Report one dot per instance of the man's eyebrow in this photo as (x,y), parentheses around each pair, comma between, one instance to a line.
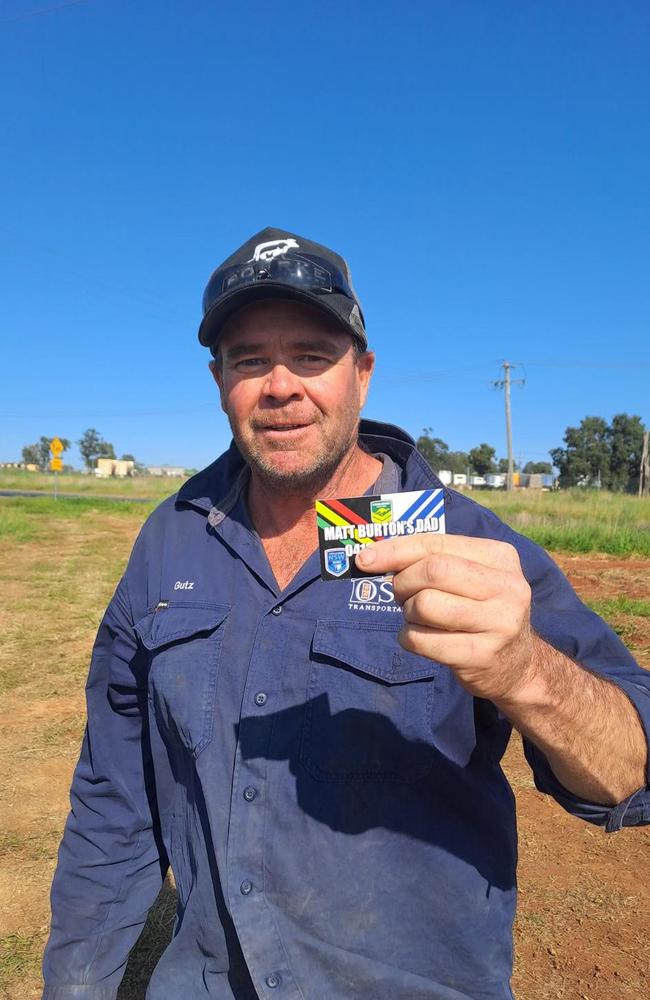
(323,345)
(309,346)
(239,350)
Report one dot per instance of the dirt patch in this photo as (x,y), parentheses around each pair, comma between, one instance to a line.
(606,576)
(39,745)
(601,579)
(583,928)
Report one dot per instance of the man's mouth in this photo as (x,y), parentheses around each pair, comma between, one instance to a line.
(281,427)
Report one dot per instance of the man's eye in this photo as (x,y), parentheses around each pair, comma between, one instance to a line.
(313,359)
(249,362)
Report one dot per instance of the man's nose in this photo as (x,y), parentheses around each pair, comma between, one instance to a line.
(281,383)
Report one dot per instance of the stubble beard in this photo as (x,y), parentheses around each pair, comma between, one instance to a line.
(310,478)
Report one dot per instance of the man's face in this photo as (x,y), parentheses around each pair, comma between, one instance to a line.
(292,386)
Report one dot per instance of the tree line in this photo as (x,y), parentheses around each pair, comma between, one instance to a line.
(91,447)
(479,461)
(602,455)
(595,454)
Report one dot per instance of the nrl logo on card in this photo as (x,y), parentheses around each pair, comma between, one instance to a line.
(336,561)
(381,511)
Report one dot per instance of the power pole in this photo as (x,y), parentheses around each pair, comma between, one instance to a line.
(505,383)
(644,470)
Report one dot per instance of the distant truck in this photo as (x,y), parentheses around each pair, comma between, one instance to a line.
(538,480)
(449,478)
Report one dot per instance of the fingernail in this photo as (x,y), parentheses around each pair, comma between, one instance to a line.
(367,556)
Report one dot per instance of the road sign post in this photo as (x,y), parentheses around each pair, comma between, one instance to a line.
(56,463)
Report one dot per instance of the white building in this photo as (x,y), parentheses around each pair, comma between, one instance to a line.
(165,470)
(113,467)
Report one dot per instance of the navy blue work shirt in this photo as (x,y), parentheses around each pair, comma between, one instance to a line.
(332,807)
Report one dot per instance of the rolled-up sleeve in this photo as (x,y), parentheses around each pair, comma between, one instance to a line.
(633,811)
(562,620)
(110,865)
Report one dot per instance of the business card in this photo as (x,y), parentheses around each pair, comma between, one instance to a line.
(346,525)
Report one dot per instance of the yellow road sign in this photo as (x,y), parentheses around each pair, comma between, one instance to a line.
(56,446)
(56,464)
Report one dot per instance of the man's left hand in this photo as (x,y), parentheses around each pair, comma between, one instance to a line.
(466,603)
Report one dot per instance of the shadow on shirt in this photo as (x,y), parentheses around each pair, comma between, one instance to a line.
(406,786)
(414,789)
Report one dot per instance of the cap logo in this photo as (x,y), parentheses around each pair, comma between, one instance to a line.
(273,249)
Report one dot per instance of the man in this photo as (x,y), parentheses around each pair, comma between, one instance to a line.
(324,777)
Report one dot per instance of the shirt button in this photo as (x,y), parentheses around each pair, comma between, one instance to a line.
(277,611)
(249,793)
(260,698)
(273,981)
(245,887)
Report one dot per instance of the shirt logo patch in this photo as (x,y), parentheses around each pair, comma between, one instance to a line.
(372,595)
(184,585)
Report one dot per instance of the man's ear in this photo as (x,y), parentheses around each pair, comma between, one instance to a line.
(365,366)
(217,375)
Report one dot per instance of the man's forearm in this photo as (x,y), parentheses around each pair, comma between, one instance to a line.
(587,727)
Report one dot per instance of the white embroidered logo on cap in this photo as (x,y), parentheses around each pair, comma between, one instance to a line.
(273,248)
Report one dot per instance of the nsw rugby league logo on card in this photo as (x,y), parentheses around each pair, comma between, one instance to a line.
(346,526)
(337,562)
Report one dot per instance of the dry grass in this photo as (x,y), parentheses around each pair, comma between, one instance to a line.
(155,487)
(576,520)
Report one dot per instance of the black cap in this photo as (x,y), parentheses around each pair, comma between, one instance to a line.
(275,264)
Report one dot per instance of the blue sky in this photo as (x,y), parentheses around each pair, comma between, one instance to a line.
(483,167)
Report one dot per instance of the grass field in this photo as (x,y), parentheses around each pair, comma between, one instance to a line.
(562,521)
(583,929)
(136,486)
(576,520)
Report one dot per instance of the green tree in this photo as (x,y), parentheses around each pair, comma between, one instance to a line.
(434,450)
(437,454)
(625,437)
(585,461)
(457,461)
(481,459)
(39,454)
(502,465)
(92,446)
(533,468)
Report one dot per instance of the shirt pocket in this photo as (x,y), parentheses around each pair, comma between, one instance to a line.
(184,643)
(369,706)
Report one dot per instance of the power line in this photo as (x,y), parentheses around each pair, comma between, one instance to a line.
(43,10)
(207,408)
(154,301)
(588,364)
